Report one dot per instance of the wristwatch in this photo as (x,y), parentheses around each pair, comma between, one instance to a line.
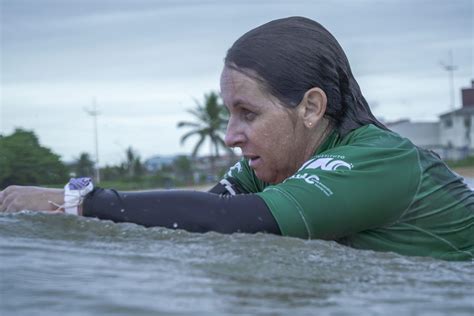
(74,192)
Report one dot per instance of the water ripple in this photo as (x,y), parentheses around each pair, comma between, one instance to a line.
(67,265)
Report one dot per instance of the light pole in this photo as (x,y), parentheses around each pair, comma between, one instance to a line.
(450,68)
(94,112)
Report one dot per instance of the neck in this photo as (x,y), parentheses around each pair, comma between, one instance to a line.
(319,135)
(314,138)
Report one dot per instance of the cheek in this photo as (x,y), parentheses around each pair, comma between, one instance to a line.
(279,147)
(282,135)
(273,135)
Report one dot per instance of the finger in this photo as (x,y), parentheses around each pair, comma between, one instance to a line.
(12,207)
(7,202)
(3,196)
(1,200)
(3,206)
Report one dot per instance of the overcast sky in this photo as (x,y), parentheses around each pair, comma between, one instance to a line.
(146,61)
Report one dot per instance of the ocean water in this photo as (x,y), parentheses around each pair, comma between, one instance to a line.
(469,182)
(68,265)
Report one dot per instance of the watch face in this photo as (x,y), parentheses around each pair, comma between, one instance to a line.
(79,183)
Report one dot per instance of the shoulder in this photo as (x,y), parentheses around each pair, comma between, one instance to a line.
(371,137)
(368,147)
(366,180)
(368,161)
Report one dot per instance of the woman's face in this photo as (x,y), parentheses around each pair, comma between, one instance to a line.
(272,137)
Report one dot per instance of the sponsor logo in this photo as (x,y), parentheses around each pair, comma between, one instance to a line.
(323,163)
(329,164)
(312,179)
(237,168)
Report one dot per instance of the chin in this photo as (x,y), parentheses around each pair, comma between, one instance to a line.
(271,176)
(261,176)
(267,178)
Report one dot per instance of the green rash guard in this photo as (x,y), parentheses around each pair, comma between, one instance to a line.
(372,189)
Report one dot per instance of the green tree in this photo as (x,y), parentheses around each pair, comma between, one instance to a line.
(132,164)
(112,173)
(182,168)
(84,166)
(24,161)
(210,121)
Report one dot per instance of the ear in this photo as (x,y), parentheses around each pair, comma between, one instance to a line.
(313,107)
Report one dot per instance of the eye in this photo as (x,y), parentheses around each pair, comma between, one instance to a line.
(248,115)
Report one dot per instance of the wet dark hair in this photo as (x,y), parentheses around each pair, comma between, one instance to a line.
(292,55)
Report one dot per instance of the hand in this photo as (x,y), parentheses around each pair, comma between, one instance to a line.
(17,198)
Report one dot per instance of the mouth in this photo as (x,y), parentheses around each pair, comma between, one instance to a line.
(253,160)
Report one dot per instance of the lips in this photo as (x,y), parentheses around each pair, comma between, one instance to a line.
(254,160)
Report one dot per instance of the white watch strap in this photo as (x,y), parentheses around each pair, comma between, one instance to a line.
(74,192)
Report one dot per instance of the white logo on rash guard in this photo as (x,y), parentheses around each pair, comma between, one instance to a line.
(314,180)
(326,164)
(323,163)
(237,167)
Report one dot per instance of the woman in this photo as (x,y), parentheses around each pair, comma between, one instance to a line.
(316,162)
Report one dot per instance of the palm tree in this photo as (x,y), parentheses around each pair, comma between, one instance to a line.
(132,165)
(210,124)
(84,166)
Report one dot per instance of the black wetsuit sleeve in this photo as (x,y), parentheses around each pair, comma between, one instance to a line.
(227,186)
(189,210)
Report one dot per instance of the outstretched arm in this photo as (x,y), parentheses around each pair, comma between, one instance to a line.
(189,210)
(17,198)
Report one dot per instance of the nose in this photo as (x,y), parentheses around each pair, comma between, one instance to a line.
(234,136)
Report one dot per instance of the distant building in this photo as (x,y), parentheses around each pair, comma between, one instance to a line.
(203,165)
(157,163)
(456,130)
(423,134)
(452,137)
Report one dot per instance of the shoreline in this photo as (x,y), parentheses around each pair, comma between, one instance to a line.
(465,172)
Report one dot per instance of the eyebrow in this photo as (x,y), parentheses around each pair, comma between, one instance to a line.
(240,102)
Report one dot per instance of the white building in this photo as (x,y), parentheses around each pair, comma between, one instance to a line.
(156,163)
(423,134)
(452,137)
(457,134)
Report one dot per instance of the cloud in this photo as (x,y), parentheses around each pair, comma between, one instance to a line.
(146,61)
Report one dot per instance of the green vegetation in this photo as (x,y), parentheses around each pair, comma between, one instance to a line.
(132,175)
(84,166)
(24,161)
(467,162)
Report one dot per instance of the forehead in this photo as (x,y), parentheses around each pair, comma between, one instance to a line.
(238,87)
(235,82)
